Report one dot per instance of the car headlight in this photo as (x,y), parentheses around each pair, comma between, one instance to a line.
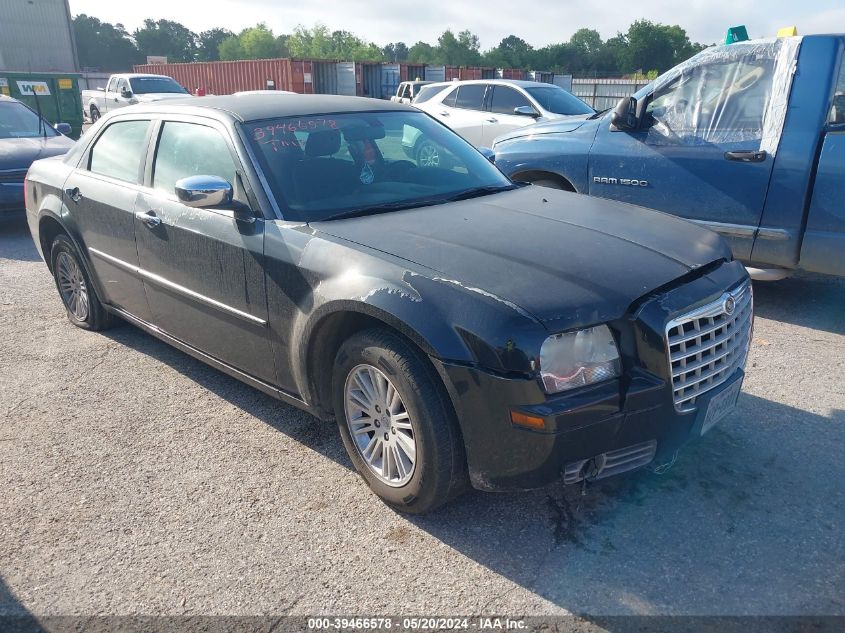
(575,359)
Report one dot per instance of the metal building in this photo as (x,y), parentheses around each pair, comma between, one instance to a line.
(37,36)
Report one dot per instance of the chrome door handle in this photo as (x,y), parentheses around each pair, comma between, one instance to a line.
(74,194)
(149,218)
(444,114)
(491,120)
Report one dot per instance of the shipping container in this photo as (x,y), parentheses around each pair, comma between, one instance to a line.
(488,73)
(223,78)
(564,81)
(452,73)
(55,94)
(413,72)
(512,73)
(302,76)
(435,73)
(470,72)
(37,37)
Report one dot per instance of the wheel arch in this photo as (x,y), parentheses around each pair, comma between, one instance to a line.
(532,175)
(327,331)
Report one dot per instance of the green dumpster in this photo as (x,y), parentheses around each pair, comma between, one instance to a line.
(57,95)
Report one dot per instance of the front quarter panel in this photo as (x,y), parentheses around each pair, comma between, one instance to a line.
(312,276)
(563,153)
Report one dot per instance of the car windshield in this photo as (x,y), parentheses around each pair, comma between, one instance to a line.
(18,121)
(152,85)
(556,99)
(336,165)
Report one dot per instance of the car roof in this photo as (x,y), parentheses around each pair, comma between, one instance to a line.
(254,107)
(504,82)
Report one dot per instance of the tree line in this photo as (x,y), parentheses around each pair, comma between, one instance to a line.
(646,47)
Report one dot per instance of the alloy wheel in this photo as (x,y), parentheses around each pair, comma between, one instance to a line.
(72,286)
(380,425)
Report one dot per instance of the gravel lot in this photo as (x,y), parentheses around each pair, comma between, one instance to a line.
(136,480)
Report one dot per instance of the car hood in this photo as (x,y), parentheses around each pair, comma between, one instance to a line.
(566,259)
(556,126)
(19,153)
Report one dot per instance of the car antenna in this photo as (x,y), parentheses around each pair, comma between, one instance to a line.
(41,129)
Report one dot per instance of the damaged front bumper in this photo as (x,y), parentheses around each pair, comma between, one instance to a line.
(596,431)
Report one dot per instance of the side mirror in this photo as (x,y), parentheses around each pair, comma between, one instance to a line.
(624,115)
(63,128)
(203,191)
(488,154)
(126,94)
(211,191)
(526,111)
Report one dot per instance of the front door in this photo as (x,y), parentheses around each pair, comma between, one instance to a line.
(203,269)
(102,193)
(702,150)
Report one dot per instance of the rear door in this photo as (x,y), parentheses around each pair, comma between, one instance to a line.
(101,194)
(463,110)
(501,117)
(203,269)
(699,152)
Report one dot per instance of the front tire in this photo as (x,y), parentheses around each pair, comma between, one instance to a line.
(397,425)
(83,306)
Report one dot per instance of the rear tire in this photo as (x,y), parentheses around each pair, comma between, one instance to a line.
(81,303)
(396,422)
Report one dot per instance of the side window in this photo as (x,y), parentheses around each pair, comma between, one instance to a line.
(406,93)
(471,97)
(119,149)
(188,149)
(450,99)
(122,85)
(110,87)
(837,112)
(506,99)
(717,102)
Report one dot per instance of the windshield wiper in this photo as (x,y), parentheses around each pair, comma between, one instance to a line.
(425,202)
(597,114)
(380,208)
(476,192)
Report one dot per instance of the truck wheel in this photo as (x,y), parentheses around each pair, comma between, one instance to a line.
(396,422)
(95,114)
(83,307)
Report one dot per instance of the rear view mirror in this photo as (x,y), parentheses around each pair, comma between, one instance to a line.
(624,115)
(526,111)
(204,191)
(63,128)
(126,94)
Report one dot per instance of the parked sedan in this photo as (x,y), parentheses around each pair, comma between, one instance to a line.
(24,137)
(460,328)
(481,110)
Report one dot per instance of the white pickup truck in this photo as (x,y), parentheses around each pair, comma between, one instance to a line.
(128,89)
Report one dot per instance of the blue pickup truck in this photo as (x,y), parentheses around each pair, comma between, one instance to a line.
(747,139)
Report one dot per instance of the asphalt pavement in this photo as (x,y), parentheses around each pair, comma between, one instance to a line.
(137,480)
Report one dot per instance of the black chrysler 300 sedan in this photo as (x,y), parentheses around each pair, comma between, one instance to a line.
(461,328)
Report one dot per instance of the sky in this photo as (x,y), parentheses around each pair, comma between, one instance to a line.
(539,22)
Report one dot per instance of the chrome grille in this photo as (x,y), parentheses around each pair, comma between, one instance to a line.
(12,175)
(706,346)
